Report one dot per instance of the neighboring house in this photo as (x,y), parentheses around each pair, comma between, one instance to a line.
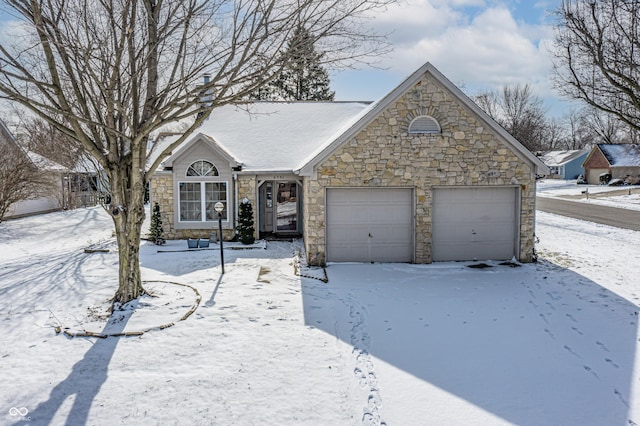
(66,188)
(422,175)
(84,184)
(621,161)
(565,164)
(51,197)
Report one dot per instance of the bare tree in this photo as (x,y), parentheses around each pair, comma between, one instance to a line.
(607,128)
(520,112)
(555,135)
(39,136)
(597,55)
(117,71)
(20,178)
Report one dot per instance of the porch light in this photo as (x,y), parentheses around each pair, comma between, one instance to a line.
(219,208)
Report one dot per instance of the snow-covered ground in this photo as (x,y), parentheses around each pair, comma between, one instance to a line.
(627,197)
(551,343)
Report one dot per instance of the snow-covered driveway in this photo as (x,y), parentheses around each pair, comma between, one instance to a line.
(442,344)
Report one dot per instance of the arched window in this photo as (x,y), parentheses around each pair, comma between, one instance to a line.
(202,168)
(424,124)
(197,197)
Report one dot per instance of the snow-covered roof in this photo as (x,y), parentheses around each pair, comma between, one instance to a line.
(278,136)
(621,155)
(45,163)
(559,158)
(297,136)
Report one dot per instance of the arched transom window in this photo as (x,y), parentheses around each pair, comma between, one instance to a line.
(424,124)
(202,168)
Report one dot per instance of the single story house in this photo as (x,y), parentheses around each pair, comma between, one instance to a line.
(565,164)
(50,198)
(66,188)
(422,175)
(621,161)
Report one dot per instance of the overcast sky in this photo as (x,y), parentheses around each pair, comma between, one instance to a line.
(478,44)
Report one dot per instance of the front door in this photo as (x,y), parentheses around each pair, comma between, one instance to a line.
(279,208)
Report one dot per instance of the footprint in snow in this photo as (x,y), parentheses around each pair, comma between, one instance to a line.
(374,400)
(371,419)
(571,317)
(552,297)
(544,317)
(590,370)
(612,363)
(602,346)
(621,397)
(546,330)
(577,330)
(568,349)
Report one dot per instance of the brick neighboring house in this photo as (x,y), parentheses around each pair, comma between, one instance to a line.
(621,161)
(422,175)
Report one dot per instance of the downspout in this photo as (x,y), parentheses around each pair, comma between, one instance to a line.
(235,196)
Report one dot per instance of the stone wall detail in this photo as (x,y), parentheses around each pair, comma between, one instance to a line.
(467,152)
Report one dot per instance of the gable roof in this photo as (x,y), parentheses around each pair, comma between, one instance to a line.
(560,158)
(317,157)
(199,137)
(621,155)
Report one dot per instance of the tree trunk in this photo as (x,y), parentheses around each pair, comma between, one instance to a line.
(127,211)
(128,231)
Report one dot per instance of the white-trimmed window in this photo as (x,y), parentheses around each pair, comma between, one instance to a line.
(198,198)
(424,124)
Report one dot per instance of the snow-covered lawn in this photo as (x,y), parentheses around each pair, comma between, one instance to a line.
(552,343)
(626,197)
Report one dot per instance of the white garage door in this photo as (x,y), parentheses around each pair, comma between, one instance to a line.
(593,176)
(369,225)
(474,223)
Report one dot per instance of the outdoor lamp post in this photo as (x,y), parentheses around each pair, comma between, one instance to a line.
(219,207)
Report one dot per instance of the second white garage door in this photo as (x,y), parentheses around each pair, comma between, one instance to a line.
(474,223)
(369,224)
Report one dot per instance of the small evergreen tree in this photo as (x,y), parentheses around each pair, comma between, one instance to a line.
(245,223)
(156,226)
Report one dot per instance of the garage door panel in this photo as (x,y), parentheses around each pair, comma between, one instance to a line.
(369,224)
(474,223)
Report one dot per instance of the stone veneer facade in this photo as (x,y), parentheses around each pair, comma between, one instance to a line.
(162,193)
(466,153)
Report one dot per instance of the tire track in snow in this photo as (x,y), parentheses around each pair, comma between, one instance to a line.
(364,370)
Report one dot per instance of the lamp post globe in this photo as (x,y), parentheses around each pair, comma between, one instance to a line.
(219,208)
